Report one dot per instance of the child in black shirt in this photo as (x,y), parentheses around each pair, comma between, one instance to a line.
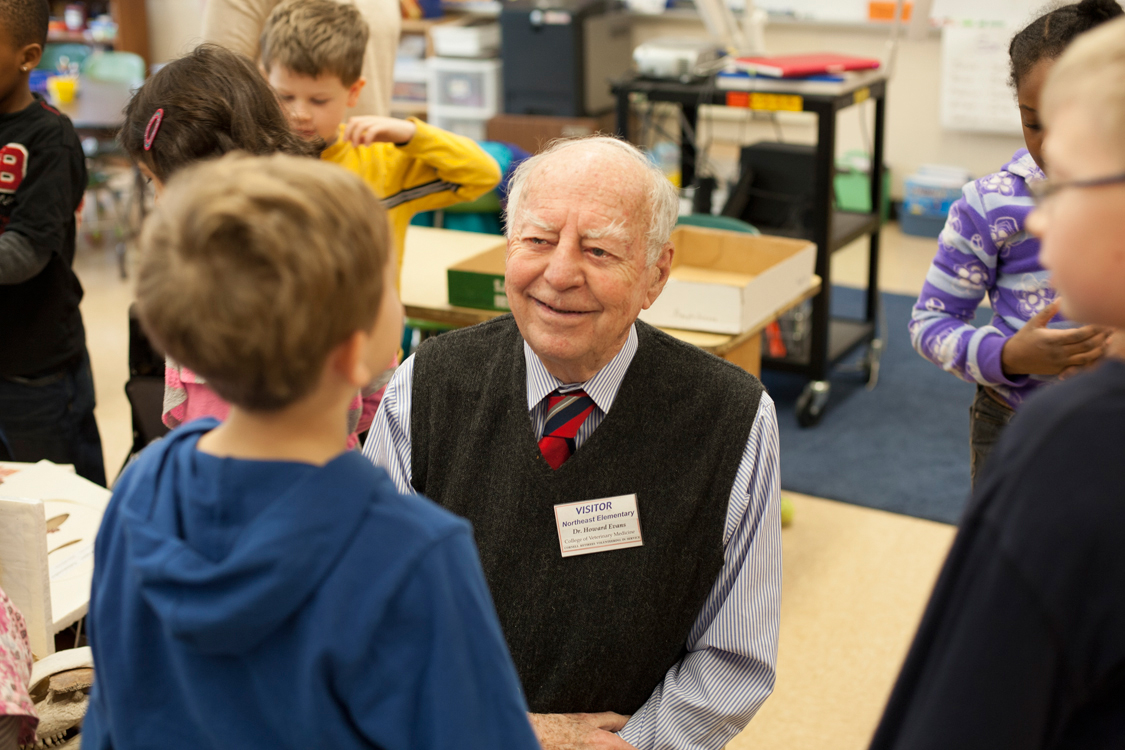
(1023,642)
(46,387)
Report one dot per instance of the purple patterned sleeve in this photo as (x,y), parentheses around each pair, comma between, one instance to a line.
(962,273)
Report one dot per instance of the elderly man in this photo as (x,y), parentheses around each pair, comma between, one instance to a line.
(571,421)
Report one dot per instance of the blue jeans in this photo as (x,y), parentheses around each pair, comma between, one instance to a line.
(52,417)
(987,419)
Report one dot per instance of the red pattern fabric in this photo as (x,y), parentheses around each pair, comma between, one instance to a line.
(15,669)
(558,444)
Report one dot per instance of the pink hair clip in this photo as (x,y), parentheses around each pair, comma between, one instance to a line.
(153,128)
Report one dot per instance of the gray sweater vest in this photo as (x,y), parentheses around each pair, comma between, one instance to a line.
(594,632)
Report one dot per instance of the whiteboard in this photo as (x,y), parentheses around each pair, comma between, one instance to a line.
(975,95)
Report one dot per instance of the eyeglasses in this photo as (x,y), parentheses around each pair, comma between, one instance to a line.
(1044,189)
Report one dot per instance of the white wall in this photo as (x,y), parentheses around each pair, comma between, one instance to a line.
(914,132)
(173,28)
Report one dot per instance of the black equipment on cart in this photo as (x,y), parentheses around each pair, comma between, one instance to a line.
(831,338)
(560,56)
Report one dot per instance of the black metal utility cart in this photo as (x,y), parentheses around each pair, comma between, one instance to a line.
(832,338)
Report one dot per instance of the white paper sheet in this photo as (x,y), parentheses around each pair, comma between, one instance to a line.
(49,517)
(975,94)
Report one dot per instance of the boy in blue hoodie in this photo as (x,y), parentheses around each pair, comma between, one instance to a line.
(255,583)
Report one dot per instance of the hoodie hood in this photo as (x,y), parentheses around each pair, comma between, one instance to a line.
(1022,165)
(230,605)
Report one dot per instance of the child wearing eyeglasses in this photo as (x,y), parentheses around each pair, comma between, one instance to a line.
(985,249)
(1023,642)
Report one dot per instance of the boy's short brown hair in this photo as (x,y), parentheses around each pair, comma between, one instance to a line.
(255,268)
(1092,72)
(313,37)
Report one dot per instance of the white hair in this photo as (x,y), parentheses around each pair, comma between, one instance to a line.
(661,195)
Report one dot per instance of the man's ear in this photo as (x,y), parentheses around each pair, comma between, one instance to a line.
(660,271)
(354,89)
(31,55)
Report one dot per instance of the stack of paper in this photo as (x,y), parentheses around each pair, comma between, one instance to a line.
(49,517)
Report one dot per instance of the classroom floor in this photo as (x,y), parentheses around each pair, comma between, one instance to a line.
(854,585)
(855,580)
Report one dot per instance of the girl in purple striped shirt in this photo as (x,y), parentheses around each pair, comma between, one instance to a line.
(984,249)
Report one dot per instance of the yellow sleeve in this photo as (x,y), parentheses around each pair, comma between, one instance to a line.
(435,169)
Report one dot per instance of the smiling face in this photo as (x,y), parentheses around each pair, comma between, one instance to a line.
(1082,230)
(315,106)
(576,273)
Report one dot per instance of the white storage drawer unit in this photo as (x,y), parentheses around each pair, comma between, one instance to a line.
(470,88)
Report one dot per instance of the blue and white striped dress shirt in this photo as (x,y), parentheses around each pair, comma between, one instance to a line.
(728,672)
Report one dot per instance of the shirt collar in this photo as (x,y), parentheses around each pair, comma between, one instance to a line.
(602,388)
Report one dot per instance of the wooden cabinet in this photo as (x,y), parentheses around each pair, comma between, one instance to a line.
(131,17)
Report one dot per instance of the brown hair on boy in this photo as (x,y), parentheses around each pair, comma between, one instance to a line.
(251,278)
(315,38)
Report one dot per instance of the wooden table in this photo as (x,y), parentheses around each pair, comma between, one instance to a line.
(425,294)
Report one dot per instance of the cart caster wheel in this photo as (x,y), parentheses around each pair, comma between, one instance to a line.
(812,402)
(871,363)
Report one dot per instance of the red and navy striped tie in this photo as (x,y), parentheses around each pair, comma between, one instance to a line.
(565,414)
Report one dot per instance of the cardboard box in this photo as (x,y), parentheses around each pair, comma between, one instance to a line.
(479,281)
(721,282)
(533,132)
(728,282)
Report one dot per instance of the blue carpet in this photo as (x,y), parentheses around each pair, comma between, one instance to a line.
(903,447)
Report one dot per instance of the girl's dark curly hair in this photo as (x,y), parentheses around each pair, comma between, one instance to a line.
(214,101)
(1047,36)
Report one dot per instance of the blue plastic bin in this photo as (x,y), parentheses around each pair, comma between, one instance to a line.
(921,225)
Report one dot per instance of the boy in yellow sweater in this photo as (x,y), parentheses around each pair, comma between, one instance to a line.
(312,54)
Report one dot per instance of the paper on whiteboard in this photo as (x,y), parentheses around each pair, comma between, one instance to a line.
(975,94)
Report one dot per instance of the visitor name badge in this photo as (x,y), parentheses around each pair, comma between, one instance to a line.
(598,525)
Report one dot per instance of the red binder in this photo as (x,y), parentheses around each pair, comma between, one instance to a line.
(797,66)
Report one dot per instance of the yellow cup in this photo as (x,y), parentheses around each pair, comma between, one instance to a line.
(62,88)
